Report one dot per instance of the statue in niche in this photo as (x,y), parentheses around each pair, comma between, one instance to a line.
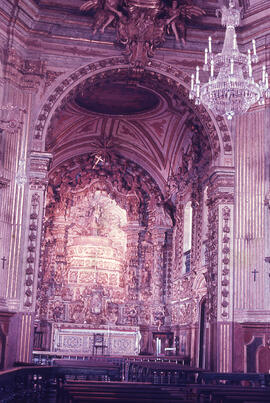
(162,213)
(66,294)
(132,280)
(92,225)
(57,311)
(112,312)
(159,318)
(78,295)
(146,276)
(96,301)
(186,159)
(131,314)
(145,316)
(77,312)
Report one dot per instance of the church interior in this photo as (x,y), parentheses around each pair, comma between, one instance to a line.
(134,210)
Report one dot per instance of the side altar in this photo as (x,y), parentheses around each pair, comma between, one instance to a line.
(116,340)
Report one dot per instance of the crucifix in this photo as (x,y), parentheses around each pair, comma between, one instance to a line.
(98,158)
(254,272)
(4,259)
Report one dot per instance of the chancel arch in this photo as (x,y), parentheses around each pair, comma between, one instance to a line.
(146,160)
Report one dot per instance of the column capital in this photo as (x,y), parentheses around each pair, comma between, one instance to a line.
(38,169)
(11,118)
(221,186)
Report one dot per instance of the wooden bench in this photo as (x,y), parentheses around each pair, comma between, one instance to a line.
(88,369)
(162,373)
(129,392)
(233,378)
(228,393)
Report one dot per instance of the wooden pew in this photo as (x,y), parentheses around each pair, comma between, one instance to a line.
(88,369)
(228,393)
(129,392)
(162,372)
(233,378)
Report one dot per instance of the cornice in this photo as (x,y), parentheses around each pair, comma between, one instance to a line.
(50,21)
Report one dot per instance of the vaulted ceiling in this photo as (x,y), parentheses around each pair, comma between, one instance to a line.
(141,120)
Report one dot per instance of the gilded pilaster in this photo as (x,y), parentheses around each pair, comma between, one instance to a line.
(219,276)
(39,164)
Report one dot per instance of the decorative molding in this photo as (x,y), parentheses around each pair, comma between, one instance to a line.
(27,73)
(32,249)
(220,192)
(158,73)
(4,182)
(225,268)
(11,118)
(141,26)
(38,170)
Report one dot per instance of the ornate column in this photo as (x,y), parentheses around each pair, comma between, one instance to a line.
(197,212)
(38,169)
(21,81)
(219,276)
(132,281)
(159,276)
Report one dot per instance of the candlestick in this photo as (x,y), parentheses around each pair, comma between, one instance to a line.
(254,47)
(210,44)
(192,82)
(232,63)
(212,68)
(249,57)
(234,41)
(197,75)
(263,73)
(250,70)
(206,56)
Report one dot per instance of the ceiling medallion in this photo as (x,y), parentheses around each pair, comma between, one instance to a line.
(141,25)
(231,89)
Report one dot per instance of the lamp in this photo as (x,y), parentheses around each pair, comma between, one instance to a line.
(231,88)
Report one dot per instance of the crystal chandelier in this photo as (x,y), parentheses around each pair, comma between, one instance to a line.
(231,88)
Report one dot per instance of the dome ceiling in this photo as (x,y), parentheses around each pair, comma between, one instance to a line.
(117,99)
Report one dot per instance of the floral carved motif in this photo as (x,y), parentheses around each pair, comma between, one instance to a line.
(220,192)
(31,249)
(225,273)
(211,276)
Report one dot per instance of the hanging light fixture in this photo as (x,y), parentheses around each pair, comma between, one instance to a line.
(231,88)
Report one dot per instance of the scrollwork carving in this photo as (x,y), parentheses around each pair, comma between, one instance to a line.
(141,26)
(31,249)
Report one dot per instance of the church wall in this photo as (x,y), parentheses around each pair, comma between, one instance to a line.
(250,267)
(34,69)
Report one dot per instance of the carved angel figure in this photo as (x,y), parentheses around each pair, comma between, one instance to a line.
(178,12)
(104,12)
